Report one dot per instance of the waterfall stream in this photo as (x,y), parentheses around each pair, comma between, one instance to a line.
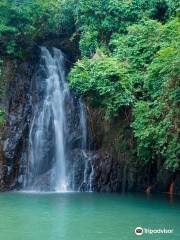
(52,139)
(88,167)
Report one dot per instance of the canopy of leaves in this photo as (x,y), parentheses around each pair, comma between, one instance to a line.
(24,22)
(103,79)
(140,69)
(97,20)
(157,122)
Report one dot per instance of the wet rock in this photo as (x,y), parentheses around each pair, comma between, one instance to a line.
(19,108)
(99,167)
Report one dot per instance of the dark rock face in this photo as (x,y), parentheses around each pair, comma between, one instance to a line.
(112,173)
(80,169)
(116,169)
(3,169)
(24,90)
(99,167)
(108,173)
(19,108)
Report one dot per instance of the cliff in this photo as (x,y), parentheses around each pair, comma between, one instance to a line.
(112,162)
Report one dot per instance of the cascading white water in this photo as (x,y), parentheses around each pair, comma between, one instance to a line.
(83,124)
(49,116)
(88,167)
(58,152)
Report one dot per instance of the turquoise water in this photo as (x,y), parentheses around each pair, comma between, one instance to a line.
(86,216)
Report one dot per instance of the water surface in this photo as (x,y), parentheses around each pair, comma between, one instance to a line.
(86,216)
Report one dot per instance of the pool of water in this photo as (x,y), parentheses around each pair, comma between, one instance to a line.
(86,216)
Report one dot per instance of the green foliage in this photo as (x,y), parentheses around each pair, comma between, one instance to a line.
(97,20)
(66,17)
(104,79)
(164,68)
(140,69)
(22,23)
(157,125)
(139,46)
(89,43)
(162,10)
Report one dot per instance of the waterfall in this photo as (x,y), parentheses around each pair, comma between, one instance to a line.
(49,122)
(83,124)
(86,184)
(58,139)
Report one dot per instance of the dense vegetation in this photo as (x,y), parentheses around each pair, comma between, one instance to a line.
(129,59)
